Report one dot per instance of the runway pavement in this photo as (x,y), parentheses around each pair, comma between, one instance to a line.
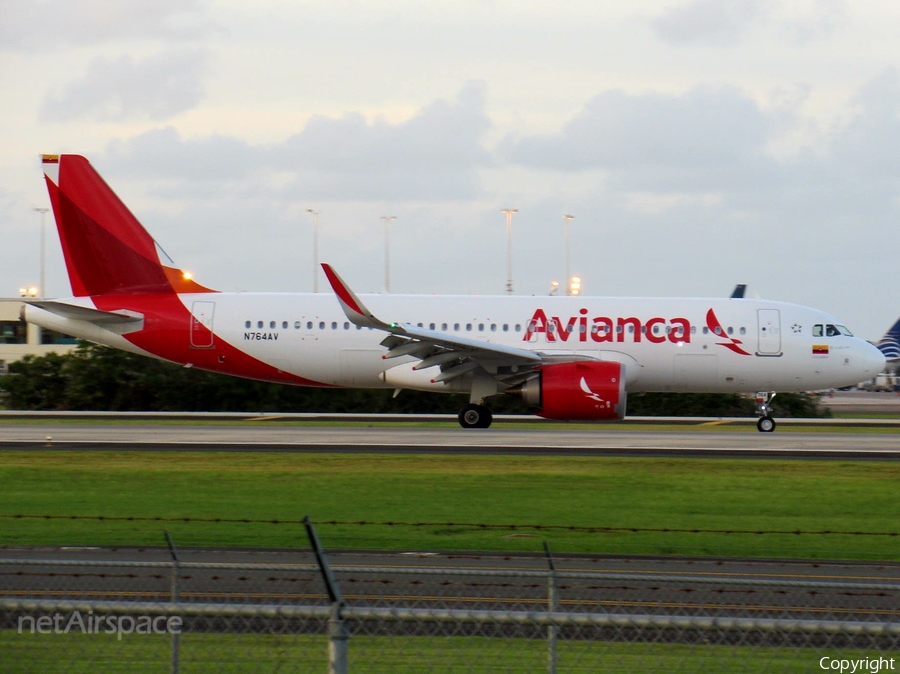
(697,441)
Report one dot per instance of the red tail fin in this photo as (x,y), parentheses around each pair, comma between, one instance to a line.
(107,251)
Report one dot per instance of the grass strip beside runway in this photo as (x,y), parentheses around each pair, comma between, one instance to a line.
(716,494)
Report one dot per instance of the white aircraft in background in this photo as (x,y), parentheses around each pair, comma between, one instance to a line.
(569,358)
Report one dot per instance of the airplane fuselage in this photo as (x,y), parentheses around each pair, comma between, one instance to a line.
(677,344)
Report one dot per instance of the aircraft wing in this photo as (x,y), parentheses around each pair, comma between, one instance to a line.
(455,355)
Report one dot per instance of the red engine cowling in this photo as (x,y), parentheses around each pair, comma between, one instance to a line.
(578,391)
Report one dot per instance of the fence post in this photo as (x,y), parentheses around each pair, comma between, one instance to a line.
(552,605)
(338,634)
(176,645)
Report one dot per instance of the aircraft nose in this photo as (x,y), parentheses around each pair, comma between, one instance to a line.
(871,359)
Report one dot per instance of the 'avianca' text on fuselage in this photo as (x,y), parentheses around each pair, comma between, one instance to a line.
(655,330)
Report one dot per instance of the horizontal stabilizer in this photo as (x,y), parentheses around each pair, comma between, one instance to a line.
(95,316)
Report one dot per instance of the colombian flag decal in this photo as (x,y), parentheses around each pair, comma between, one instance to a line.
(820,349)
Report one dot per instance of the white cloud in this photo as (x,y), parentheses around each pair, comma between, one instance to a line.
(432,155)
(163,156)
(654,139)
(717,23)
(435,154)
(155,88)
(42,25)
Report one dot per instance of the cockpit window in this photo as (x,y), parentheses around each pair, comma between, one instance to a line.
(829,330)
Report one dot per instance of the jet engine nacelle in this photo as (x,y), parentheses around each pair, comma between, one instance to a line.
(578,391)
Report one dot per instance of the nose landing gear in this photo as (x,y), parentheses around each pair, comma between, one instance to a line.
(766,423)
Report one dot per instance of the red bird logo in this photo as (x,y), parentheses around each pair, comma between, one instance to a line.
(712,322)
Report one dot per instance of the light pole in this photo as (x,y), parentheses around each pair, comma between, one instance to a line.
(315,216)
(509,213)
(43,287)
(567,219)
(387,219)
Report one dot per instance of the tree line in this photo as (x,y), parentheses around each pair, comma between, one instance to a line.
(99,378)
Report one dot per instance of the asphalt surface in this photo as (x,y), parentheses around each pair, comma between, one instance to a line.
(700,441)
(721,587)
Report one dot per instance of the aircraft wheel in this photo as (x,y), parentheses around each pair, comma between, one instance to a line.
(766,424)
(475,416)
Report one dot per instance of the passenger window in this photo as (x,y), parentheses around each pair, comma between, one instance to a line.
(456,327)
(730,330)
(705,330)
(309,325)
(743,331)
(506,327)
(493,327)
(431,326)
(271,325)
(444,327)
(346,325)
(247,324)
(284,325)
(321,325)
(518,328)
(817,330)
(468,327)
(260,324)
(481,327)
(694,329)
(334,325)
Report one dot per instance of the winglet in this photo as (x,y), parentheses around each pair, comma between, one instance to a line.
(354,309)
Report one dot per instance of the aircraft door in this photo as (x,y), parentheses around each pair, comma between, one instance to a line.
(202,325)
(769,332)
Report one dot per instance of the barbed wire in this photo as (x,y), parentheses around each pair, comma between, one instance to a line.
(468,525)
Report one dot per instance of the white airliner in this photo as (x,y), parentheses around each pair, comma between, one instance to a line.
(569,358)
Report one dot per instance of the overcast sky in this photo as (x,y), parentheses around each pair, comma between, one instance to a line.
(698,143)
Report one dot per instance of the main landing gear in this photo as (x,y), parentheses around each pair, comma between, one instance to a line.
(475,416)
(766,423)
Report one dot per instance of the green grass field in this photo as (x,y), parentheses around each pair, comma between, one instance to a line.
(374,655)
(714,494)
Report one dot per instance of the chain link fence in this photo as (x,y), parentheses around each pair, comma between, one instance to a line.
(82,610)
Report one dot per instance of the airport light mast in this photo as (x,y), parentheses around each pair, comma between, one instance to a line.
(315,216)
(509,213)
(387,219)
